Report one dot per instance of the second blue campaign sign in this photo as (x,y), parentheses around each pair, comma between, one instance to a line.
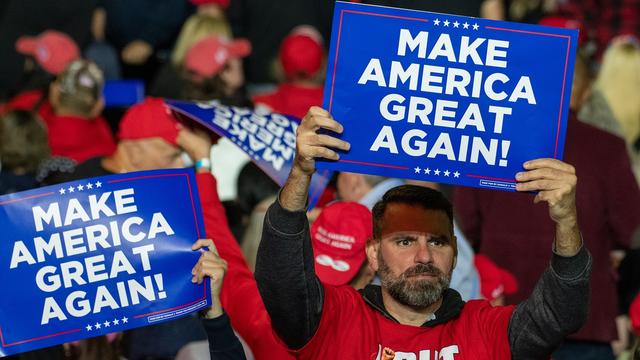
(95,256)
(446,98)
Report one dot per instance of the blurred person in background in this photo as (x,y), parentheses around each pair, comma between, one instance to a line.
(213,71)
(255,192)
(265,24)
(49,52)
(76,127)
(142,32)
(23,148)
(21,18)
(619,84)
(300,69)
(71,108)
(338,239)
(168,81)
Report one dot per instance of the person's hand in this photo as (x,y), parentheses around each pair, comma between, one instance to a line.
(136,52)
(196,142)
(210,265)
(556,183)
(311,145)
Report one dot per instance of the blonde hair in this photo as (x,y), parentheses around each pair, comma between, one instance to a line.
(196,28)
(619,83)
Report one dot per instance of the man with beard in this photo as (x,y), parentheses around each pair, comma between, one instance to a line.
(413,314)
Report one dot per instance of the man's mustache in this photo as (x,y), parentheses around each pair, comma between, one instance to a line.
(422,269)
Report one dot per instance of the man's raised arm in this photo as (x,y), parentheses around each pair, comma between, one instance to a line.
(285,272)
(559,303)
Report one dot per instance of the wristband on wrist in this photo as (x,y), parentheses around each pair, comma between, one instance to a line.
(203,163)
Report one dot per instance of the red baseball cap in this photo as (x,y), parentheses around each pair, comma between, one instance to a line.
(222,3)
(565,23)
(148,119)
(634,314)
(209,55)
(302,51)
(53,50)
(494,281)
(338,237)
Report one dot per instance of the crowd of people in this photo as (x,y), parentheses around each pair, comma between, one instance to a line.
(382,268)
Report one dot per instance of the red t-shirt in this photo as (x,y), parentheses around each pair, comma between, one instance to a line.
(290,99)
(351,329)
(75,137)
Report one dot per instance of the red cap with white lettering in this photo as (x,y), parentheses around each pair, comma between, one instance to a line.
(338,237)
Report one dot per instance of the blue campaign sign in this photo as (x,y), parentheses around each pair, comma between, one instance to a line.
(96,256)
(268,138)
(446,98)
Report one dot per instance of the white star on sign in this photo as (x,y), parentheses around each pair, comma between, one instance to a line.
(427,171)
(116,322)
(446,23)
(437,172)
(80,187)
(89,186)
(125,320)
(447,172)
(98,184)
(106,324)
(71,189)
(465,25)
(456,174)
(456,24)
(475,26)
(89,327)
(436,22)
(97,325)
(62,191)
(417,169)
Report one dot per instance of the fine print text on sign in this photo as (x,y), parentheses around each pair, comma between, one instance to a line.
(446,98)
(96,256)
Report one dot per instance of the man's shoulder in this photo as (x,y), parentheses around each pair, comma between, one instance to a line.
(482,310)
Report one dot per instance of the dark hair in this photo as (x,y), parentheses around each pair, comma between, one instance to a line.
(411,195)
(254,186)
(198,88)
(23,141)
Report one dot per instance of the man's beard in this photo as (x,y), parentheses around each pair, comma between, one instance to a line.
(417,293)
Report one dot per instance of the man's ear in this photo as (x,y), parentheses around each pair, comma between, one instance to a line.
(372,248)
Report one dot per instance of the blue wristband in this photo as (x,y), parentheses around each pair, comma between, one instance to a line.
(203,163)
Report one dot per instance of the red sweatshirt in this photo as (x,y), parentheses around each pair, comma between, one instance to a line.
(351,329)
(240,297)
(75,137)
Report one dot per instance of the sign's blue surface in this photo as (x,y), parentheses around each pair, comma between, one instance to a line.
(96,256)
(268,138)
(446,98)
